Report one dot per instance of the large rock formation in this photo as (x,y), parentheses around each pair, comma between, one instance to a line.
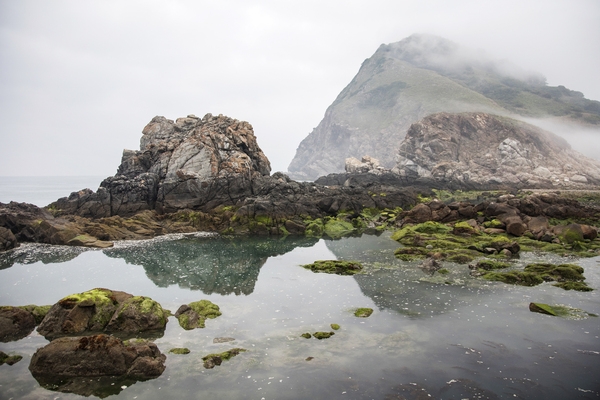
(479,148)
(404,82)
(190,163)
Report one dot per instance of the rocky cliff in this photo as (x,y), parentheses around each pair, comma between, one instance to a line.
(404,82)
(188,163)
(479,148)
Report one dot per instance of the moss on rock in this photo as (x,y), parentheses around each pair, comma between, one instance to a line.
(323,335)
(211,360)
(337,267)
(194,315)
(180,350)
(363,312)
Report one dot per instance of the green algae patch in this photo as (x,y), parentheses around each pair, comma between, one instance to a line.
(103,302)
(180,350)
(337,267)
(494,223)
(578,286)
(211,360)
(443,271)
(490,265)
(10,360)
(137,314)
(515,278)
(566,276)
(560,311)
(323,335)
(335,327)
(559,273)
(337,228)
(38,312)
(306,335)
(363,312)
(194,315)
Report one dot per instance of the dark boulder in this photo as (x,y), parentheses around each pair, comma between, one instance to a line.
(15,323)
(61,364)
(7,239)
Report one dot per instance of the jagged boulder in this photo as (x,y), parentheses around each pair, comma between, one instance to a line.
(188,163)
(479,148)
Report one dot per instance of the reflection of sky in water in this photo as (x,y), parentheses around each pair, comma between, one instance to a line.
(462,340)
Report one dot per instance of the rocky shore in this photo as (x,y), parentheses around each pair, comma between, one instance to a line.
(209,174)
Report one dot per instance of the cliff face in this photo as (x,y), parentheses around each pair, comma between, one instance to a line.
(404,82)
(486,149)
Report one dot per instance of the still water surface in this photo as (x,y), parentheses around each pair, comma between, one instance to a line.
(441,337)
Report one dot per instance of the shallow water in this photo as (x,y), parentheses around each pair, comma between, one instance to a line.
(439,337)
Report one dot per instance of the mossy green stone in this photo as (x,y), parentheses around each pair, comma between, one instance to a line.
(10,360)
(211,360)
(323,335)
(577,286)
(337,267)
(363,312)
(180,350)
(335,327)
(336,228)
(490,265)
(306,335)
(103,301)
(515,277)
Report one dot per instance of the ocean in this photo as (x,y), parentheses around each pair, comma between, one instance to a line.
(450,336)
(43,190)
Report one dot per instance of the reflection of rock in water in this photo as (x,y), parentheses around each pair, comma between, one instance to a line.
(365,248)
(29,253)
(212,265)
(404,289)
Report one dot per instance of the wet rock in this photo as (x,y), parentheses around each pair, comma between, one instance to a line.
(337,267)
(194,315)
(7,239)
(569,233)
(323,335)
(15,323)
(61,364)
(560,311)
(9,360)
(103,310)
(180,350)
(430,266)
(363,312)
(212,360)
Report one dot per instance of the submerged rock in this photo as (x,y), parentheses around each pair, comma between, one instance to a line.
(62,363)
(9,360)
(559,311)
(323,335)
(211,360)
(15,323)
(363,312)
(104,310)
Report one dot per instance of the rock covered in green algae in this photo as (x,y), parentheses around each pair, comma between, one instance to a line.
(138,314)
(101,310)
(211,360)
(363,312)
(567,276)
(194,315)
(180,350)
(306,335)
(335,327)
(337,267)
(10,360)
(323,335)
(559,311)
(38,312)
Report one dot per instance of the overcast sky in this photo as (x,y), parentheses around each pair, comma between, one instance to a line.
(80,79)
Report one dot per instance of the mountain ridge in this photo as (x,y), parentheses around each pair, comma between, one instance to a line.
(405,81)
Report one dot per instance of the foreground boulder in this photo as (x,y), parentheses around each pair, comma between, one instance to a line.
(104,310)
(15,323)
(62,363)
